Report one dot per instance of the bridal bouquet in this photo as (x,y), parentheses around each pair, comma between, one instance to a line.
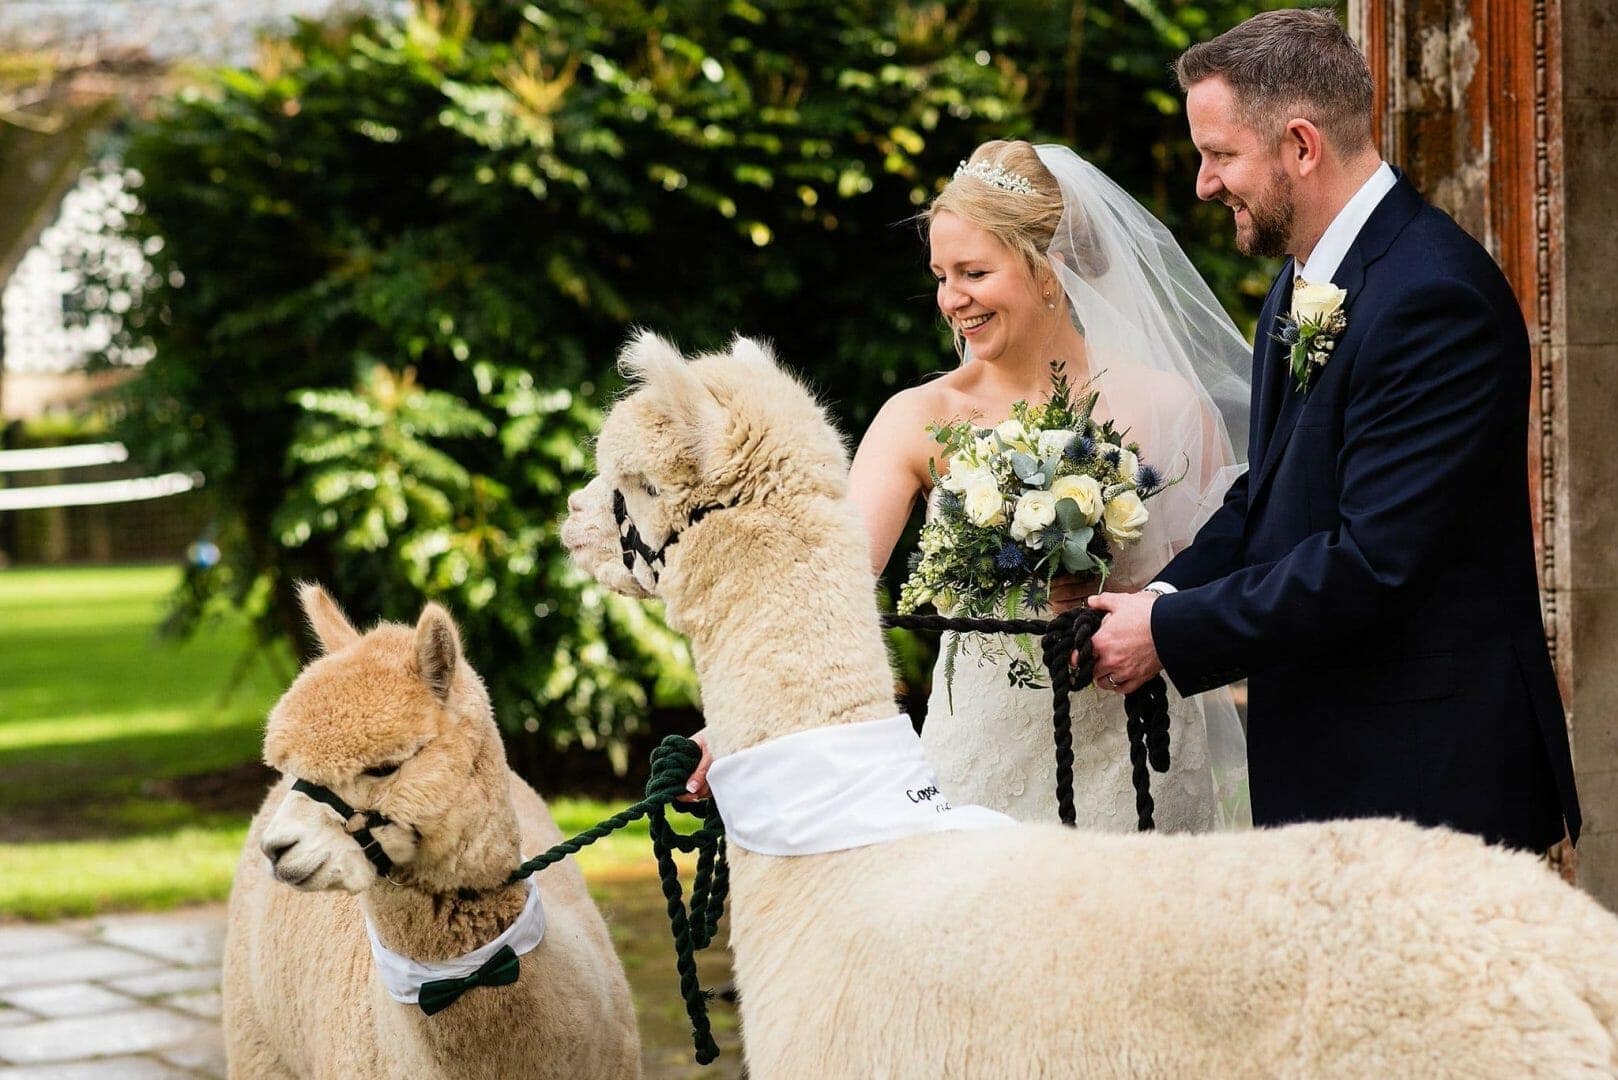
(1047,491)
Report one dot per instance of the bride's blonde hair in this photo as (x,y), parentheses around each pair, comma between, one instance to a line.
(1025,223)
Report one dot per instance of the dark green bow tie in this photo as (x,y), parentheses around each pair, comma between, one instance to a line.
(499,970)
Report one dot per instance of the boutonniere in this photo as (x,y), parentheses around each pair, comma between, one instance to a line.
(1312,330)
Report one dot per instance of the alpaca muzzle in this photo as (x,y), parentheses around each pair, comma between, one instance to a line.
(631,544)
(356,823)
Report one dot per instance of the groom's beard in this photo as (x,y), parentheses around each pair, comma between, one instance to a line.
(1269,220)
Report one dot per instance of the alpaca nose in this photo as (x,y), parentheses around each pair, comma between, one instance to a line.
(274,849)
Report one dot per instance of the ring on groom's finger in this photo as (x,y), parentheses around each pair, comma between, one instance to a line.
(1112,682)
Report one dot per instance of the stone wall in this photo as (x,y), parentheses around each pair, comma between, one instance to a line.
(1586,422)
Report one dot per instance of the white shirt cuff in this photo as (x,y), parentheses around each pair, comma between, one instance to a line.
(1161,588)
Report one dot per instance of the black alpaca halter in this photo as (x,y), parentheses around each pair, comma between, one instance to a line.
(631,544)
(357,823)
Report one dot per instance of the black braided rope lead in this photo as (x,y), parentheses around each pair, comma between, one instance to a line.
(1069,633)
(692,925)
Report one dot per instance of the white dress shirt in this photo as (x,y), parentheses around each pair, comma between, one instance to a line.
(1345,227)
(1329,250)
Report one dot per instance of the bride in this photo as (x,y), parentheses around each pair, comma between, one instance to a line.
(1040,258)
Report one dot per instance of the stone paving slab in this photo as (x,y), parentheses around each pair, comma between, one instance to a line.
(128,1068)
(66,999)
(131,997)
(179,942)
(132,1031)
(32,940)
(155,984)
(75,964)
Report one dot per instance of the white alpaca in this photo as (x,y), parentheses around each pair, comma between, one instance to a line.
(396,721)
(1365,949)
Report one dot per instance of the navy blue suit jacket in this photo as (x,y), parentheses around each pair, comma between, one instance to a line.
(1372,575)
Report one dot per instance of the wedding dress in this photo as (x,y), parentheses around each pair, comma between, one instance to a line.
(991,744)
(1173,373)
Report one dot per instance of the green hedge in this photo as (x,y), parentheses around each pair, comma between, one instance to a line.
(395,261)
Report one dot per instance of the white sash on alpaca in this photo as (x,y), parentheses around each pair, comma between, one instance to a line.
(834,788)
(402,977)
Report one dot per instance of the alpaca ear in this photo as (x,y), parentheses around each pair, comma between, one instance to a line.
(693,413)
(332,628)
(438,650)
(753,351)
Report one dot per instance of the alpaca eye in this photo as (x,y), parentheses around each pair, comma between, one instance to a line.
(381,770)
(649,488)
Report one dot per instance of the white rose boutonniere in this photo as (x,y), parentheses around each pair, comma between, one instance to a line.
(1312,329)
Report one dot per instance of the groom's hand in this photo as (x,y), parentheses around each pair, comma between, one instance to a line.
(1124,653)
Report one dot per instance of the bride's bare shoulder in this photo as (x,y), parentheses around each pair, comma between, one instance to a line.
(935,401)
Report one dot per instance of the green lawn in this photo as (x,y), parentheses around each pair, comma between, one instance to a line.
(107,734)
(99,719)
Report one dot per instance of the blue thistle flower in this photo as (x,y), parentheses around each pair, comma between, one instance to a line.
(1114,456)
(1010,559)
(1079,449)
(1148,479)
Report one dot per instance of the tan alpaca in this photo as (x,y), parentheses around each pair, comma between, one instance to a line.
(301,998)
(1363,949)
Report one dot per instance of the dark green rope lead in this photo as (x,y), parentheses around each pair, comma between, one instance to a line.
(693,925)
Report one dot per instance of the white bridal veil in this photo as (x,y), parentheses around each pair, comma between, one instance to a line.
(1172,369)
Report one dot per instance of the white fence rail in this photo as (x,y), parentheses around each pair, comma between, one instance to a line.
(88,493)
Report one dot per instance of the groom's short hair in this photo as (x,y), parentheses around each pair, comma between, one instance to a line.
(1296,62)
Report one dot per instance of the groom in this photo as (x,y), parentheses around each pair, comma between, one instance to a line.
(1372,575)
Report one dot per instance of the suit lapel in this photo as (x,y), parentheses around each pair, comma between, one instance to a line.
(1266,357)
(1389,218)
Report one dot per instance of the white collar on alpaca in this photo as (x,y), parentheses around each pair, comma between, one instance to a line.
(402,977)
(835,788)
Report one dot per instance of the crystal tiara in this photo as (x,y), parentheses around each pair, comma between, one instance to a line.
(996,176)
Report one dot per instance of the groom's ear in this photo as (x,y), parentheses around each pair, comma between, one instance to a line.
(1305,145)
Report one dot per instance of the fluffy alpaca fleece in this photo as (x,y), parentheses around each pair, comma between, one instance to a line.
(301,998)
(1354,949)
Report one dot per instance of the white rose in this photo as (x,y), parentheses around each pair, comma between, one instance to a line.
(1054,442)
(1084,490)
(963,475)
(984,505)
(1316,303)
(1035,510)
(1012,433)
(1126,516)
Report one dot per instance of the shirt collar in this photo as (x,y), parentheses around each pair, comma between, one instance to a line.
(1345,227)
